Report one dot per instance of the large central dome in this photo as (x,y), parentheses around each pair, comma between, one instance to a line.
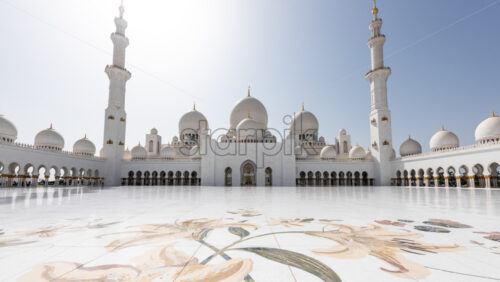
(246,106)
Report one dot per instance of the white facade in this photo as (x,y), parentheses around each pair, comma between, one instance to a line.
(248,152)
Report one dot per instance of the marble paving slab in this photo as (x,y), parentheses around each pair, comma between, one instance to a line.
(249,234)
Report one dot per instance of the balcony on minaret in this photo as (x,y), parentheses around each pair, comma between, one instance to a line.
(375,27)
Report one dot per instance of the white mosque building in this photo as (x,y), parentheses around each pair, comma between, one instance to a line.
(249,153)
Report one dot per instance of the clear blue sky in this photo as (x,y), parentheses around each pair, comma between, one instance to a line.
(444,56)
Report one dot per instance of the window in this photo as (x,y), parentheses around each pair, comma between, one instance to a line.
(150,146)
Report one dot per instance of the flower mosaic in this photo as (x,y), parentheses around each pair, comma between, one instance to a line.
(163,258)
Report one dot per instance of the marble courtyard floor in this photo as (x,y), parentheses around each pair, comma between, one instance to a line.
(249,234)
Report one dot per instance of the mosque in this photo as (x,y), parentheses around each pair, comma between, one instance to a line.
(249,153)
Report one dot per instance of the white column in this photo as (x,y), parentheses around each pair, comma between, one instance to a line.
(487,180)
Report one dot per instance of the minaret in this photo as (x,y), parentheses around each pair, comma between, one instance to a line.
(115,117)
(380,116)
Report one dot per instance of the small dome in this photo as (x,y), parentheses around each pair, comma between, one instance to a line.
(195,151)
(300,152)
(8,131)
(488,129)
(410,147)
(49,139)
(304,122)
(328,152)
(84,147)
(139,152)
(342,132)
(249,127)
(168,152)
(369,155)
(322,139)
(154,131)
(357,153)
(127,155)
(248,105)
(192,122)
(443,140)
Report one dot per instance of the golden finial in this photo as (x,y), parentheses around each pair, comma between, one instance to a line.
(493,113)
(409,137)
(442,127)
(121,9)
(302,106)
(85,137)
(51,126)
(248,115)
(375,9)
(194,106)
(248,90)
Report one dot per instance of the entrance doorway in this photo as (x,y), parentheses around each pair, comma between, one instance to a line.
(248,170)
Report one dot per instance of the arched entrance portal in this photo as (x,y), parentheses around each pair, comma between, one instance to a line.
(248,170)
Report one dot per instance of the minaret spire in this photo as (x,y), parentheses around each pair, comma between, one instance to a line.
(380,116)
(375,9)
(121,9)
(115,115)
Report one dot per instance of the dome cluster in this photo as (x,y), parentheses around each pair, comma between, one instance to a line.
(487,131)
(47,139)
